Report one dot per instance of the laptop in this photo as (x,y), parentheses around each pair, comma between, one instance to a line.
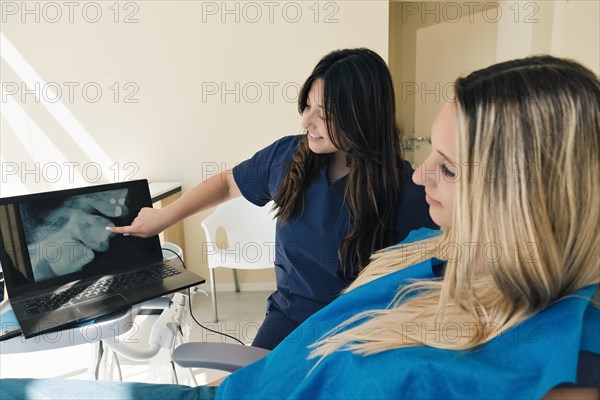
(62,267)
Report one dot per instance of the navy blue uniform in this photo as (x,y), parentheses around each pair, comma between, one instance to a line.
(306,250)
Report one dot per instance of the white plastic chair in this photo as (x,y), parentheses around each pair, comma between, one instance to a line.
(250,232)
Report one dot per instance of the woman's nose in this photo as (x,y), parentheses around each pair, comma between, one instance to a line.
(424,175)
(416,176)
(307,119)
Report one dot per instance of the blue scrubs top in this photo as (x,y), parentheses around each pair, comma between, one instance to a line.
(525,361)
(306,251)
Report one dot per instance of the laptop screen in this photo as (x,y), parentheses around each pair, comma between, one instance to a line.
(58,237)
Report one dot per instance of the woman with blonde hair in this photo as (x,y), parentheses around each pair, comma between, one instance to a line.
(499,305)
(513,178)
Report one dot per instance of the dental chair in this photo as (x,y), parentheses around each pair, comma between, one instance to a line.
(221,356)
(157,327)
(161,317)
(231,357)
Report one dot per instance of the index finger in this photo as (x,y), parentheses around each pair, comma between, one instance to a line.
(125,230)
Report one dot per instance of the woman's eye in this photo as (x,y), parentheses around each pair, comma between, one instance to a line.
(446,171)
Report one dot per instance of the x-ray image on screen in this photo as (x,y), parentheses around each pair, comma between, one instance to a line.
(65,235)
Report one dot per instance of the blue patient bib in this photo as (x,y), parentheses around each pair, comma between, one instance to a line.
(526,361)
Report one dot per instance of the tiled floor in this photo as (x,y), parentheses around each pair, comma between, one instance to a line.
(240,315)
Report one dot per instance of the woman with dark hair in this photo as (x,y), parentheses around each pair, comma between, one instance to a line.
(341,191)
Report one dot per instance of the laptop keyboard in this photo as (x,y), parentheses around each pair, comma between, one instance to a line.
(118,284)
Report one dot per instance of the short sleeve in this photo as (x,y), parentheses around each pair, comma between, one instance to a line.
(258,178)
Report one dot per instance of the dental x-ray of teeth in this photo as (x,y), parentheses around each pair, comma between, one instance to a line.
(67,236)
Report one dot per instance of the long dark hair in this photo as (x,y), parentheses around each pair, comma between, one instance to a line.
(359,108)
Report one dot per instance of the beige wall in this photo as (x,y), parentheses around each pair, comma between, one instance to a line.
(168,59)
(430,46)
(407,19)
(445,51)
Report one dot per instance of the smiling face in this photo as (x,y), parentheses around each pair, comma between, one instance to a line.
(438,172)
(313,121)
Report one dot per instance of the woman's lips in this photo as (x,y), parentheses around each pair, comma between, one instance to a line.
(313,136)
(432,202)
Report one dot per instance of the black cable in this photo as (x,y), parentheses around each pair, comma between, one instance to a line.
(177,254)
(208,329)
(190,304)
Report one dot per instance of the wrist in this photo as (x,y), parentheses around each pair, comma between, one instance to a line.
(166,218)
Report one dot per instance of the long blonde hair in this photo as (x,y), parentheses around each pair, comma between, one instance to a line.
(528,191)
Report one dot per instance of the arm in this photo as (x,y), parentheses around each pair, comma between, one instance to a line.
(210,193)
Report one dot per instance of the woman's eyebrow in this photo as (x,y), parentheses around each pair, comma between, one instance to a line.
(446,157)
(315,104)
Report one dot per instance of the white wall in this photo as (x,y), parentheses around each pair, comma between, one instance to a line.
(168,56)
